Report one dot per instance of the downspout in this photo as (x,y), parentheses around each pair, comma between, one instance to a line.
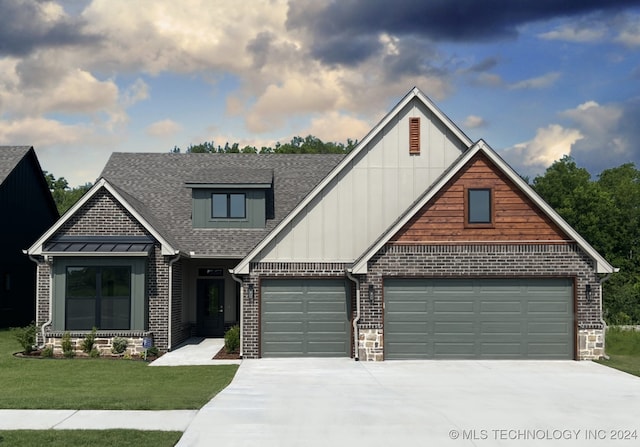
(50,319)
(239,281)
(357,318)
(171,262)
(604,323)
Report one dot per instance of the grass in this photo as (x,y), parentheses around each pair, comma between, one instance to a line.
(104,384)
(88,438)
(623,349)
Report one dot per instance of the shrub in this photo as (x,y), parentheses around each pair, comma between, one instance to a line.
(89,340)
(47,352)
(118,345)
(26,336)
(153,351)
(94,353)
(67,346)
(232,339)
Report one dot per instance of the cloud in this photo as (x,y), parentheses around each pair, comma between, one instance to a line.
(474,122)
(338,127)
(594,118)
(581,31)
(27,25)
(630,32)
(610,132)
(164,128)
(341,31)
(549,144)
(540,82)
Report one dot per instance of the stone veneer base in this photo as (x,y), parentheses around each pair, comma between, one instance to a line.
(371,344)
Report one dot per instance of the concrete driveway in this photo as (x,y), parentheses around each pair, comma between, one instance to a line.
(339,402)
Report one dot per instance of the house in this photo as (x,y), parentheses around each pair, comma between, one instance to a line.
(28,210)
(419,243)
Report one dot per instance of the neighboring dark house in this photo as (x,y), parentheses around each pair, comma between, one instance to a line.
(419,243)
(28,209)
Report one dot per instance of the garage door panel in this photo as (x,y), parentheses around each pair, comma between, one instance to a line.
(550,328)
(283,306)
(453,327)
(549,307)
(453,306)
(325,327)
(509,306)
(501,328)
(479,318)
(405,317)
(305,318)
(408,306)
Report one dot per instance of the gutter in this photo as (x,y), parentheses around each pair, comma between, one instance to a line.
(357,318)
(239,281)
(171,262)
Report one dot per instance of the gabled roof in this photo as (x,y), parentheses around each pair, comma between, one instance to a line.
(38,248)
(360,265)
(154,185)
(415,93)
(10,156)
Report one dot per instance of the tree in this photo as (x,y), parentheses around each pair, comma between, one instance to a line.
(297,145)
(606,212)
(64,196)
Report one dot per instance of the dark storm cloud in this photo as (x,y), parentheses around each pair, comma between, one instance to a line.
(23,29)
(340,30)
(484,65)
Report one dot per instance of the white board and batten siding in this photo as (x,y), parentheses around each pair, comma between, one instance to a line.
(369,194)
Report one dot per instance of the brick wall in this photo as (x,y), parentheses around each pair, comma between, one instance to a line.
(158,298)
(179,331)
(43,273)
(424,261)
(102,215)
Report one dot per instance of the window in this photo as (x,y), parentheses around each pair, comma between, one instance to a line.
(228,206)
(98,296)
(479,208)
(414,136)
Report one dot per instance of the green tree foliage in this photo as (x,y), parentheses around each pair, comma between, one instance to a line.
(63,195)
(297,145)
(606,212)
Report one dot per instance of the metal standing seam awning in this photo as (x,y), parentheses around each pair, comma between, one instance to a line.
(99,245)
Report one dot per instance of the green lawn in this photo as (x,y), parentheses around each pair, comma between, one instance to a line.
(104,384)
(623,348)
(88,438)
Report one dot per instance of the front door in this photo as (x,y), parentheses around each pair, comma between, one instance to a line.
(210,320)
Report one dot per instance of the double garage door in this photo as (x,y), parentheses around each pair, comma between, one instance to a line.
(305,318)
(478,318)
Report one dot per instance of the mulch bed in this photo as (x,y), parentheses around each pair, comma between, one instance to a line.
(38,355)
(224,355)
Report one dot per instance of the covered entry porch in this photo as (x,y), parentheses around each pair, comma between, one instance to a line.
(210,297)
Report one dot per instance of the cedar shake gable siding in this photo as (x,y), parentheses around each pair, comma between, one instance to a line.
(515,217)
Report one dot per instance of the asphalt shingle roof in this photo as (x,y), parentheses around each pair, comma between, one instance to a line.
(155,185)
(10,156)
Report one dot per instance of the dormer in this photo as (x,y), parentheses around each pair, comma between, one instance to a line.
(231,197)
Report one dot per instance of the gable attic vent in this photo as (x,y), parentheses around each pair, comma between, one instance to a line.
(414,135)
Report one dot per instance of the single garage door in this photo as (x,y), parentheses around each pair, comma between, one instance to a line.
(305,318)
(478,318)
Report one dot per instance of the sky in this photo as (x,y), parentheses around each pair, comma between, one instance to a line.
(536,79)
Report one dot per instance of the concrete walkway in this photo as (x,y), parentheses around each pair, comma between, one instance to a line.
(195,351)
(339,402)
